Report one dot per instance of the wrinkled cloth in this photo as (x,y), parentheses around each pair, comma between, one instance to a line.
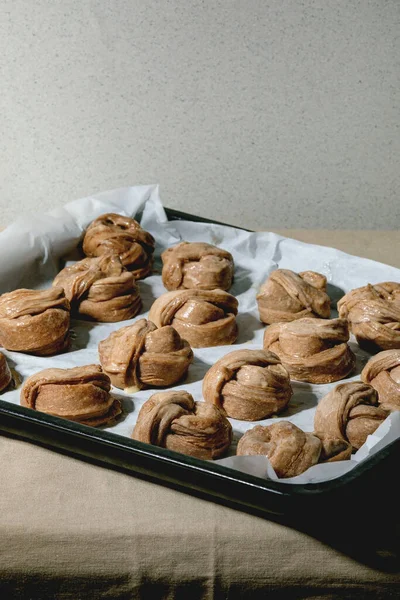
(175,421)
(95,532)
(141,355)
(286,296)
(290,450)
(202,317)
(382,372)
(35,321)
(373,312)
(197,265)
(248,384)
(114,234)
(350,412)
(79,394)
(100,289)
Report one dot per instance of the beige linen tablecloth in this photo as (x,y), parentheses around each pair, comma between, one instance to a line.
(71,529)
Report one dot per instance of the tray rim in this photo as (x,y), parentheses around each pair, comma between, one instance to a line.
(267,496)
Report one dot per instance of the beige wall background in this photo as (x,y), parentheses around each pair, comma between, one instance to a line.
(262,113)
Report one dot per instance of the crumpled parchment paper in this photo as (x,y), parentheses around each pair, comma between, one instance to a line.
(34,248)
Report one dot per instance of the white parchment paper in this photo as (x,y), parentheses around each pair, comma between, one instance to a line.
(35,247)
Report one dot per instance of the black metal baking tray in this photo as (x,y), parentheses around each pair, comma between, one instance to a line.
(205,478)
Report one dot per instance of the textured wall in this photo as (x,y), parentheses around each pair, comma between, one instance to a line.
(266,113)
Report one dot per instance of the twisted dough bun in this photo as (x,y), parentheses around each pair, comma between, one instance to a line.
(286,296)
(5,373)
(100,289)
(203,318)
(248,384)
(79,394)
(350,412)
(313,350)
(197,265)
(35,321)
(173,420)
(333,449)
(382,372)
(141,355)
(290,450)
(115,234)
(373,312)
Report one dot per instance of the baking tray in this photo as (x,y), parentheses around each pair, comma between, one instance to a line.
(372,479)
